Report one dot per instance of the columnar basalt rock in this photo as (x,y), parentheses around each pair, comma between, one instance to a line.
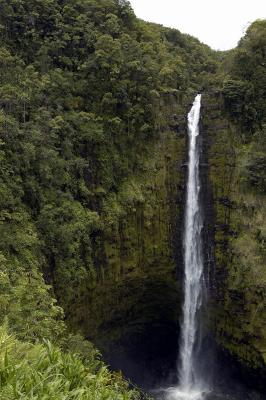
(136,304)
(238,303)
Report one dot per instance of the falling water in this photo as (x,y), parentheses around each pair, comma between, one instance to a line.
(193,255)
(190,383)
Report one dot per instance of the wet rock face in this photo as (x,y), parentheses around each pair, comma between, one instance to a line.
(132,313)
(238,293)
(136,325)
(147,357)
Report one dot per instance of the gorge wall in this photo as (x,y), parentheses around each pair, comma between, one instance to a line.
(135,307)
(132,313)
(237,290)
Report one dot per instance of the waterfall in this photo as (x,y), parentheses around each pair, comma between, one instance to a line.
(190,383)
(192,256)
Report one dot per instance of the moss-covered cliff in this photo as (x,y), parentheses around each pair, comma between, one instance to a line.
(233,119)
(238,290)
(135,304)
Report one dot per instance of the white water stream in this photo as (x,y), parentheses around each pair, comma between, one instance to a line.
(191,386)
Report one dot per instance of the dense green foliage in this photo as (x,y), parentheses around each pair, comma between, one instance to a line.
(83,92)
(244,87)
(80,93)
(43,371)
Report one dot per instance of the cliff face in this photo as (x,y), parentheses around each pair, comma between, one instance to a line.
(132,312)
(238,286)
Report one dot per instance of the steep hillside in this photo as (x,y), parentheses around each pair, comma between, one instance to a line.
(234,120)
(93,105)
